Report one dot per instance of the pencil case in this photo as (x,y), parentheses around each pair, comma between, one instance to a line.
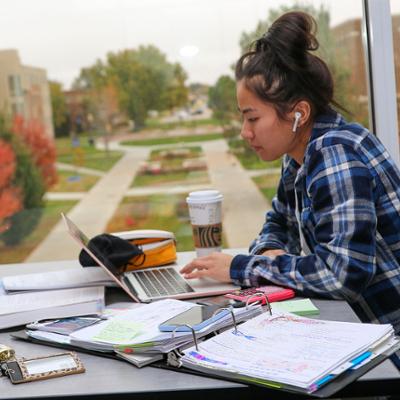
(158,247)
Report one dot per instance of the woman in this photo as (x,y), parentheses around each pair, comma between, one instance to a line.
(334,228)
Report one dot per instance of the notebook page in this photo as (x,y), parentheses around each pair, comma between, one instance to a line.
(286,348)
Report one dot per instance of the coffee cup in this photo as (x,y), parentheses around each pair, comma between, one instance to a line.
(205,211)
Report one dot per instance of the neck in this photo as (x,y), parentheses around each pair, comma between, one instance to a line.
(302,139)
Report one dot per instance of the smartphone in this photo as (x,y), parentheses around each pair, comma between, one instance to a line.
(34,369)
(197,317)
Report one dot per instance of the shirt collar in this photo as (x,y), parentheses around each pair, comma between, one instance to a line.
(326,122)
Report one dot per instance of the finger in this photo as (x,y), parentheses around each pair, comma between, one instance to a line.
(197,274)
(197,263)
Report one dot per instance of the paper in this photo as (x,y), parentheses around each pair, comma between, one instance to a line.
(119,331)
(298,307)
(69,278)
(286,348)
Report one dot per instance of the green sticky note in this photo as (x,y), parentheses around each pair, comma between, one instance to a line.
(298,307)
(119,332)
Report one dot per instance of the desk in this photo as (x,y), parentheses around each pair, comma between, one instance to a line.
(108,378)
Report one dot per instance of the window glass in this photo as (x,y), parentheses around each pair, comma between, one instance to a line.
(129,105)
(395,10)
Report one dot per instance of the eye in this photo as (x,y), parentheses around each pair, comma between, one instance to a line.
(254,119)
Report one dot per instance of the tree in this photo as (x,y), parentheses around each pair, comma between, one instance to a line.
(327,50)
(59,107)
(222,100)
(41,147)
(29,188)
(10,195)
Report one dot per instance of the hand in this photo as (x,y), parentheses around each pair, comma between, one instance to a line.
(215,266)
(273,253)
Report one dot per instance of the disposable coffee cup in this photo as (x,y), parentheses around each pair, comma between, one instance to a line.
(205,211)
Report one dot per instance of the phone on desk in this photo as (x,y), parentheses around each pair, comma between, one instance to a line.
(198,318)
(272,292)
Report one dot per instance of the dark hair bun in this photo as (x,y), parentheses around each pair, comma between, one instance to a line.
(292,35)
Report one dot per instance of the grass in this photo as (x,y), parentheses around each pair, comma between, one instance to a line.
(156,124)
(167,212)
(171,161)
(248,158)
(50,217)
(192,177)
(85,155)
(268,185)
(65,184)
(174,140)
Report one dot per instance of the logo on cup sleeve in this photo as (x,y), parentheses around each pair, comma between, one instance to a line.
(207,235)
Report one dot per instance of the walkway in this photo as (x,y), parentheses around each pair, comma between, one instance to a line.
(244,206)
(93,212)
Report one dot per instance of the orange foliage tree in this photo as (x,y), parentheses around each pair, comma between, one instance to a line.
(10,196)
(41,147)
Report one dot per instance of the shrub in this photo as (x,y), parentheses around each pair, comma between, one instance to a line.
(27,180)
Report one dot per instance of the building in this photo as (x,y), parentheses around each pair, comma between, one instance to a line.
(24,90)
(348,44)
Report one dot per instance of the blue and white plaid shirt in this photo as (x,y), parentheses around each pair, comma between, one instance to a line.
(338,218)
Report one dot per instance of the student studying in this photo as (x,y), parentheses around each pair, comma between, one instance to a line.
(333,230)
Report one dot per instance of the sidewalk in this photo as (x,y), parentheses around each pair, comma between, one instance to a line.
(94,211)
(244,206)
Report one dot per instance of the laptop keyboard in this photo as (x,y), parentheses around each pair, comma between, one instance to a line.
(162,282)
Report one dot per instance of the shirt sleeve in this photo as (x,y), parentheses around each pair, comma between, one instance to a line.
(343,260)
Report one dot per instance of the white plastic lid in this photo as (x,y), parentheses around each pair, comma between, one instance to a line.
(204,196)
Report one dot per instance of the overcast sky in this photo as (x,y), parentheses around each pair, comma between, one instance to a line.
(63,36)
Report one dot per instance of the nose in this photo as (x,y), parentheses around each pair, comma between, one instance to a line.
(245,132)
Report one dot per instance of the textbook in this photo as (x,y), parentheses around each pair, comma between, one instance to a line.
(293,353)
(22,308)
(54,280)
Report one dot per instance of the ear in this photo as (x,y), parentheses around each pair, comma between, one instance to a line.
(300,114)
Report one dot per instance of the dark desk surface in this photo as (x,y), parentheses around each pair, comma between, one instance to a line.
(110,378)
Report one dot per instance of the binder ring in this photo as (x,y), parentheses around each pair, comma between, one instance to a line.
(260,295)
(193,333)
(232,314)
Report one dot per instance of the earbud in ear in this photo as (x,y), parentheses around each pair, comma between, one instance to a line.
(297,116)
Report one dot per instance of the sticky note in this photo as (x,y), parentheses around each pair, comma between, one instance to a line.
(119,332)
(298,307)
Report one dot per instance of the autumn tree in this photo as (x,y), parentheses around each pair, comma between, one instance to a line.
(10,195)
(26,200)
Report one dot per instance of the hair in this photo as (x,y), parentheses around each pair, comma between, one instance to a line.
(280,68)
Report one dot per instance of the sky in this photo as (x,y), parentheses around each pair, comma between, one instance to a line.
(63,36)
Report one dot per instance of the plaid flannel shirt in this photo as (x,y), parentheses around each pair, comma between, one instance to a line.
(337,216)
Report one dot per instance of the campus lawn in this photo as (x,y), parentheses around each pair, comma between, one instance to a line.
(169,160)
(85,155)
(70,181)
(157,124)
(51,215)
(268,185)
(174,139)
(167,212)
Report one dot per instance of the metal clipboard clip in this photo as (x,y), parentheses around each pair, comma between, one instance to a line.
(260,295)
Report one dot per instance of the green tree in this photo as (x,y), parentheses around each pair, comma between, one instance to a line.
(222,101)
(59,107)
(327,50)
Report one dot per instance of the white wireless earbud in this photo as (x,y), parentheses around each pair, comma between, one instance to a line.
(297,116)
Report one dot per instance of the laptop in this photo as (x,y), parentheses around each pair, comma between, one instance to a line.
(156,283)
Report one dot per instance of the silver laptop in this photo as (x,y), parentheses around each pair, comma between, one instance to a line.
(150,284)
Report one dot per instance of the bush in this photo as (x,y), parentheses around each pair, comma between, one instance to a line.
(28,179)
